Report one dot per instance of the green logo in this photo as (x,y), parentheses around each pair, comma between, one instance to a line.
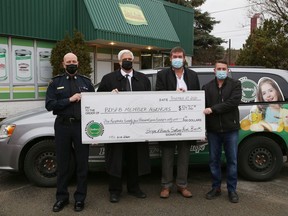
(94,129)
(249,89)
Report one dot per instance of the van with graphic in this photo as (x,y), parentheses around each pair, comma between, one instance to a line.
(27,139)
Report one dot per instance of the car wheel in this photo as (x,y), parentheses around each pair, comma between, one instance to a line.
(260,159)
(40,165)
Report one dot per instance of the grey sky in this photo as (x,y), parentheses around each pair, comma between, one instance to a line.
(235,21)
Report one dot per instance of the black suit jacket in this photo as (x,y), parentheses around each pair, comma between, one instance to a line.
(114,152)
(166,80)
(113,80)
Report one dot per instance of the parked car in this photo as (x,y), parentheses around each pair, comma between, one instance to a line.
(27,139)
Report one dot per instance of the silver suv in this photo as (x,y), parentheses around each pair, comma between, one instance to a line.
(27,139)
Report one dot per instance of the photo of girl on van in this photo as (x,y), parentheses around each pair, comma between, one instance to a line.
(270,116)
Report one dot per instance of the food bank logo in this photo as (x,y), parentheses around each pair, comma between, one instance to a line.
(94,129)
(249,89)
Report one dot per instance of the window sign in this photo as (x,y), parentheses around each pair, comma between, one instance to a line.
(44,66)
(22,58)
(133,14)
(4,63)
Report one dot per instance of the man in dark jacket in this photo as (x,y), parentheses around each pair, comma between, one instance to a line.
(136,155)
(63,97)
(176,78)
(222,95)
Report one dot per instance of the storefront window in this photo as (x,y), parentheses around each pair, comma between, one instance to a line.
(157,60)
(146,60)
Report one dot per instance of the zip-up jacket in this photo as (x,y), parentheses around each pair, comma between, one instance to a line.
(224,103)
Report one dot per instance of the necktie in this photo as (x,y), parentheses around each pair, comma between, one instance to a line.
(127,83)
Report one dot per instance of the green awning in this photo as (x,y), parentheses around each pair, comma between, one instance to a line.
(109,23)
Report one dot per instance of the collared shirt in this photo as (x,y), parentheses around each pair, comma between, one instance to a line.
(130,75)
(181,82)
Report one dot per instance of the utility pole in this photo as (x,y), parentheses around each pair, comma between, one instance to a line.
(229,53)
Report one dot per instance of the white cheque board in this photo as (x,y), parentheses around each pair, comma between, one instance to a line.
(109,117)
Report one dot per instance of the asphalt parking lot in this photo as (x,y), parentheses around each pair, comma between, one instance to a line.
(19,197)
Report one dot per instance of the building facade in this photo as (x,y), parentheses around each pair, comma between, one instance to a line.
(30,29)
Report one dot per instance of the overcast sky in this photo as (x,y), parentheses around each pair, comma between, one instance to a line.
(235,21)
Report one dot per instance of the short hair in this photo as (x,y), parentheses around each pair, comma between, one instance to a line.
(177,49)
(124,52)
(221,62)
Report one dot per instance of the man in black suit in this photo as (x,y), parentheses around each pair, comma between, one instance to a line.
(136,155)
(176,78)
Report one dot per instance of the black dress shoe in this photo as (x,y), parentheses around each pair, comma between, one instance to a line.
(138,194)
(233,197)
(215,192)
(59,205)
(114,198)
(78,206)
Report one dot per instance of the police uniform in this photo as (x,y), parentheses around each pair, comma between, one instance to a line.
(67,128)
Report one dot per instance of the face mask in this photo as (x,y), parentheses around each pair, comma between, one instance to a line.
(72,68)
(127,65)
(221,75)
(177,63)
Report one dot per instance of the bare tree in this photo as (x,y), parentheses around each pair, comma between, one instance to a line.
(277,9)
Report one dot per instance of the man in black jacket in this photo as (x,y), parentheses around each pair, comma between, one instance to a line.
(136,155)
(222,95)
(176,78)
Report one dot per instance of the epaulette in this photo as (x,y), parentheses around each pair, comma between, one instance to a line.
(84,76)
(58,75)
(55,77)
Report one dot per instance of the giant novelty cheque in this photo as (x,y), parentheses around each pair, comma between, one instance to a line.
(109,117)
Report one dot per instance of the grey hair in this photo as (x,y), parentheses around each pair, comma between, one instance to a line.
(124,52)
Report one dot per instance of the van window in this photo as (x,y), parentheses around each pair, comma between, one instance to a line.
(252,81)
(204,78)
(152,78)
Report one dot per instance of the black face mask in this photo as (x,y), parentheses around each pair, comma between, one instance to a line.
(72,68)
(127,65)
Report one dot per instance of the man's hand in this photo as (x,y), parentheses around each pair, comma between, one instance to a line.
(180,90)
(207,111)
(75,98)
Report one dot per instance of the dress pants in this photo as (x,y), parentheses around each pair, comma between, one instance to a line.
(131,159)
(67,136)
(168,151)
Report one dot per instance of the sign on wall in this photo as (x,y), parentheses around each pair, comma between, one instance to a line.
(133,14)
(22,64)
(4,70)
(44,66)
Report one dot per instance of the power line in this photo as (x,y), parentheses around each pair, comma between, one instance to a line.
(231,9)
(228,31)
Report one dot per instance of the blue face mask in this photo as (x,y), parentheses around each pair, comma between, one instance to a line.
(221,75)
(177,63)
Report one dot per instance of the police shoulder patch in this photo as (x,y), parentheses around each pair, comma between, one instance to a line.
(84,76)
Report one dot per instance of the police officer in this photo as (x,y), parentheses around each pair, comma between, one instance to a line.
(63,98)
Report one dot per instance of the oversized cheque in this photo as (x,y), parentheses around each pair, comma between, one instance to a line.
(142,116)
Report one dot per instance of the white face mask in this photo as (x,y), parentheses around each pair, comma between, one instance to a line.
(221,75)
(177,63)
